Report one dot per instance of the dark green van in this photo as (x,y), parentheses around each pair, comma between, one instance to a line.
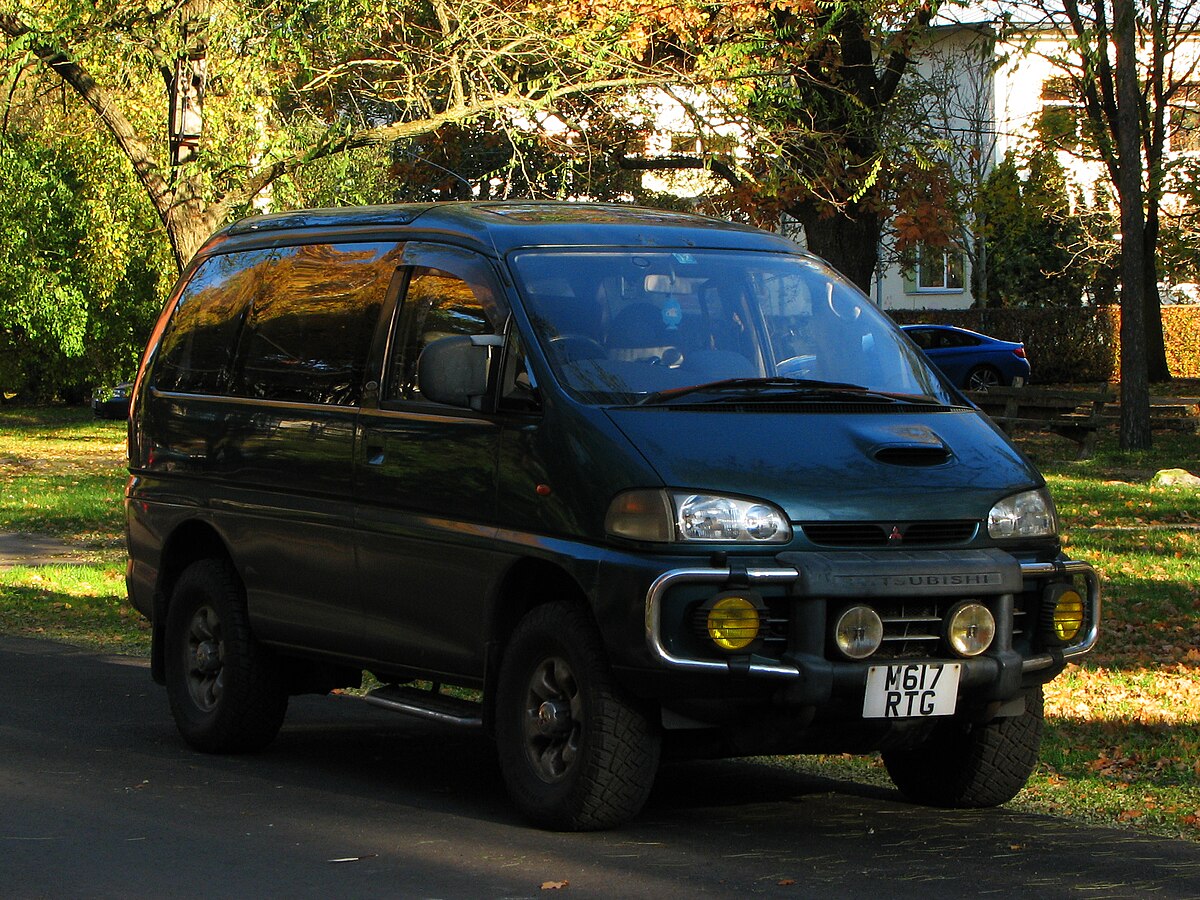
(644,484)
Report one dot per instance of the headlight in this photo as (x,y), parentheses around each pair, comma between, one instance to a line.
(685,517)
(1030,514)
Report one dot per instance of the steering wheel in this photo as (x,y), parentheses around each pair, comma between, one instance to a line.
(573,346)
(671,357)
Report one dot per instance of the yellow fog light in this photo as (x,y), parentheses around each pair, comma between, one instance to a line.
(858,632)
(970,628)
(733,622)
(1067,615)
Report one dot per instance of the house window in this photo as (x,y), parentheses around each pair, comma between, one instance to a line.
(1185,120)
(712,144)
(1058,123)
(939,269)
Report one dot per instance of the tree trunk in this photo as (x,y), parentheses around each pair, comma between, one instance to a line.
(849,244)
(1157,369)
(1135,393)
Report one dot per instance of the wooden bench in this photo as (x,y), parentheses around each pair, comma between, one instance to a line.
(1168,414)
(1075,415)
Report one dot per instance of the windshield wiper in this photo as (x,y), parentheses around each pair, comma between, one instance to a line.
(776,388)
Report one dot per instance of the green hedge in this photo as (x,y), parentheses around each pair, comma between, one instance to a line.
(1069,345)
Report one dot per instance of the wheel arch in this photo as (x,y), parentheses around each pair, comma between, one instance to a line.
(984,367)
(191,542)
(528,584)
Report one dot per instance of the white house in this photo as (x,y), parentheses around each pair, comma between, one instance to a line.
(990,97)
(986,97)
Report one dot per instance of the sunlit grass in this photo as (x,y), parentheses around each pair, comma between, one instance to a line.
(79,604)
(61,473)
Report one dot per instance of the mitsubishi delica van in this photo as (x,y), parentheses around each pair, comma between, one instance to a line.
(614,485)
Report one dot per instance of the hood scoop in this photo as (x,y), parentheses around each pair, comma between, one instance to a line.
(910,445)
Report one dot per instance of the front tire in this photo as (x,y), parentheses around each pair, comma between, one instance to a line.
(226,691)
(971,766)
(575,754)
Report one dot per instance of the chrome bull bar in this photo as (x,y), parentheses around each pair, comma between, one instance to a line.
(658,590)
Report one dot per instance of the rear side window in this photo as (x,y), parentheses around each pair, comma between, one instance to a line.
(196,353)
(307,335)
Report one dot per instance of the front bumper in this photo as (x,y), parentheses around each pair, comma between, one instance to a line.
(814,579)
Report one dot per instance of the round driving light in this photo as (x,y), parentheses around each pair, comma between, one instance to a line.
(970,628)
(858,632)
(733,622)
(1068,615)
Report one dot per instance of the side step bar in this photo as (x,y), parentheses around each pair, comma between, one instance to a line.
(427,705)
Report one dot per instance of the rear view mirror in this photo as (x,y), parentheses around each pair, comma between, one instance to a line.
(454,370)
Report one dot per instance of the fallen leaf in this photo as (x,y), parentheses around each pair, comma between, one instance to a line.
(554,885)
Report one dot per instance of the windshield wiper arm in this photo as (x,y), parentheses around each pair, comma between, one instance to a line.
(746,388)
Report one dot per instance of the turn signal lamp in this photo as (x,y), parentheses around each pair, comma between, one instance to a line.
(733,622)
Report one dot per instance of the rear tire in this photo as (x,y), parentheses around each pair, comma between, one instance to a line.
(575,754)
(981,378)
(971,766)
(226,690)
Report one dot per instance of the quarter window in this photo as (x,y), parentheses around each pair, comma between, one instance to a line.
(196,352)
(309,330)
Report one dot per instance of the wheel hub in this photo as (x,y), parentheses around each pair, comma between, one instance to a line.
(554,718)
(206,657)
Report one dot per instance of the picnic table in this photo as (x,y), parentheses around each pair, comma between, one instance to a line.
(1077,415)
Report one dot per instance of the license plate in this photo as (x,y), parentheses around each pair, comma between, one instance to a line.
(911,690)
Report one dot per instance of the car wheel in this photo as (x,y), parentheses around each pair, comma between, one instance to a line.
(575,754)
(981,378)
(963,765)
(226,690)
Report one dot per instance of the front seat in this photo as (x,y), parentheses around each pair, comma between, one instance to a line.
(638,332)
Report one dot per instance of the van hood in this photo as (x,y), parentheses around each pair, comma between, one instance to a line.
(843,466)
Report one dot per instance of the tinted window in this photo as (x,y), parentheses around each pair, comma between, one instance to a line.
(197,349)
(308,332)
(958,339)
(923,337)
(436,305)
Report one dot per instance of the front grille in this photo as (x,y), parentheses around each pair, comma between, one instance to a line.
(911,628)
(890,534)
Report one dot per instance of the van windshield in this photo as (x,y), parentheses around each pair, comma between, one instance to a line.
(622,327)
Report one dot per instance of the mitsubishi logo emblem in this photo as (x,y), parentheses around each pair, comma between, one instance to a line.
(895,535)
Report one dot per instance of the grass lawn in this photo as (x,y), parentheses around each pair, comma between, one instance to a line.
(62,473)
(1122,742)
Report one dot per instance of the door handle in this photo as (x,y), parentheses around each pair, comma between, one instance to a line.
(376,451)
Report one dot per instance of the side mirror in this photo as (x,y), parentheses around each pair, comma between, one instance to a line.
(454,370)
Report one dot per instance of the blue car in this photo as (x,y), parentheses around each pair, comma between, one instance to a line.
(971,360)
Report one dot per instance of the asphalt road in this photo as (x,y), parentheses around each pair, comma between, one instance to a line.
(100,798)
